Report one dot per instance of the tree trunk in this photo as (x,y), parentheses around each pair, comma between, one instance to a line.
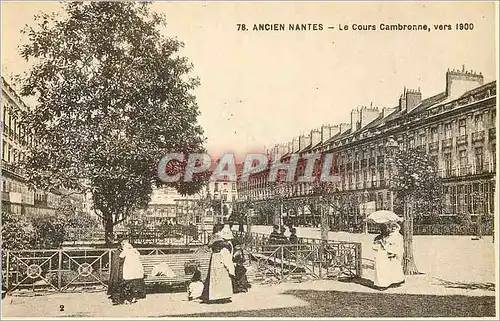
(324,223)
(108,229)
(409,266)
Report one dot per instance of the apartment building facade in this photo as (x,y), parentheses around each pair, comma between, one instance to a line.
(17,197)
(457,128)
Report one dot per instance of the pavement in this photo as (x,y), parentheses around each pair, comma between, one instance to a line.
(447,257)
(260,297)
(453,265)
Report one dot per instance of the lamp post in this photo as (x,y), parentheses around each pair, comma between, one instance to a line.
(391,146)
(365,200)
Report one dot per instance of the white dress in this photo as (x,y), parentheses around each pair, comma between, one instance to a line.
(132,265)
(395,248)
(219,284)
(388,258)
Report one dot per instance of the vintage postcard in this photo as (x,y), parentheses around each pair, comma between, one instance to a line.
(237,159)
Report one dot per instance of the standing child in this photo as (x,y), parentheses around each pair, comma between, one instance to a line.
(195,287)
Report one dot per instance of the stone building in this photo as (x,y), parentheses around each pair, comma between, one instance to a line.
(457,128)
(16,196)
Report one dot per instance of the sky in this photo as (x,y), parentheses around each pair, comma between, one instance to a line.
(260,88)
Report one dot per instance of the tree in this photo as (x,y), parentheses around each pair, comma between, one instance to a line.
(113,96)
(17,232)
(419,189)
(50,230)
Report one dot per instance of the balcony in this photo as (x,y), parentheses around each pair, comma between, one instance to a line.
(12,197)
(447,143)
(462,140)
(434,146)
(492,133)
(478,136)
(464,170)
(448,172)
(482,169)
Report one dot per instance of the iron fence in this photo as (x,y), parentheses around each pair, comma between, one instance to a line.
(313,257)
(66,270)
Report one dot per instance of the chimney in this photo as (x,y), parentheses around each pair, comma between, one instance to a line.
(325,132)
(388,110)
(458,82)
(413,99)
(315,137)
(304,141)
(355,119)
(367,115)
(295,145)
(334,130)
(344,127)
(402,100)
(276,153)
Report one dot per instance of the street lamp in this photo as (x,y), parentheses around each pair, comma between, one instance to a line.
(365,200)
(391,146)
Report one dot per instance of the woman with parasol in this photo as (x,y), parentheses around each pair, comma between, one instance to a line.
(388,247)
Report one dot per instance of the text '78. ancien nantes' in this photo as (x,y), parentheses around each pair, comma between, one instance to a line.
(281,27)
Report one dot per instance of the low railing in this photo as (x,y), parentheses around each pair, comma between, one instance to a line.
(65,270)
(309,256)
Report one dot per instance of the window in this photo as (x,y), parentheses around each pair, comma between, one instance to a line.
(422,139)
(4,118)
(434,134)
(412,142)
(233,186)
(447,163)
(462,127)
(462,156)
(4,150)
(479,158)
(216,187)
(447,130)
(478,122)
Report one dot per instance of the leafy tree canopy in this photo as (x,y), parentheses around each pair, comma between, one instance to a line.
(113,96)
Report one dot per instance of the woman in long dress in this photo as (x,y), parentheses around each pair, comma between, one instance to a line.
(218,285)
(382,278)
(116,277)
(395,249)
(388,247)
(133,274)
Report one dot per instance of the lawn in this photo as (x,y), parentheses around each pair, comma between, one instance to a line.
(355,304)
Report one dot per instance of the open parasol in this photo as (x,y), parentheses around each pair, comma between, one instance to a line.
(383,216)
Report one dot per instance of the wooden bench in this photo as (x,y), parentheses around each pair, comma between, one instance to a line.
(176,262)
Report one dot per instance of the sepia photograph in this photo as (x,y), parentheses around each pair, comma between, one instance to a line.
(249,159)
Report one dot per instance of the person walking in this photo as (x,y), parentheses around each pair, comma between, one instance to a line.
(388,247)
(218,284)
(395,249)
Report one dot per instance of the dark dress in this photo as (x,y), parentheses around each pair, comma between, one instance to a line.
(240,280)
(115,284)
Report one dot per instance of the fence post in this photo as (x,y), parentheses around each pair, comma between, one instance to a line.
(359,266)
(59,271)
